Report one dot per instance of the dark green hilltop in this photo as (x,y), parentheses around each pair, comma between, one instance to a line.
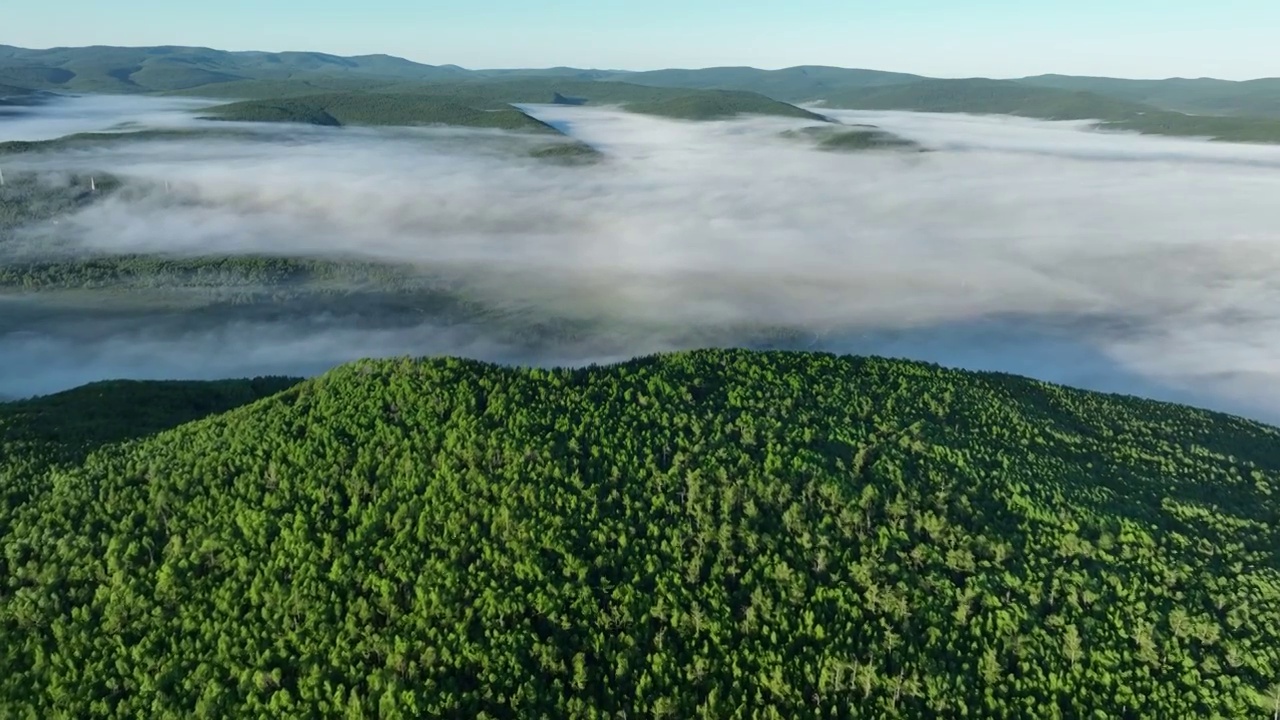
(845,138)
(701,534)
(338,109)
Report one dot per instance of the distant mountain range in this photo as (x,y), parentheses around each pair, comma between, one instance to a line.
(1221,109)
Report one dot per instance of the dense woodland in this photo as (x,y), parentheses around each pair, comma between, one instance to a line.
(337,109)
(844,138)
(124,272)
(720,105)
(706,534)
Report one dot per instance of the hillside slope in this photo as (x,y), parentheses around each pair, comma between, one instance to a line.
(795,84)
(807,83)
(337,109)
(1004,97)
(247,75)
(64,428)
(987,96)
(719,105)
(1208,96)
(212,73)
(678,103)
(845,138)
(168,68)
(489,104)
(717,532)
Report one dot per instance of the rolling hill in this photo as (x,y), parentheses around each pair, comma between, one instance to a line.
(844,138)
(719,105)
(77,141)
(804,84)
(1206,96)
(669,102)
(66,427)
(796,84)
(169,68)
(462,103)
(709,533)
(987,96)
(337,109)
(1005,97)
(1149,106)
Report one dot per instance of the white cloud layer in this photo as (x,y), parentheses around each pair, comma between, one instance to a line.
(1118,262)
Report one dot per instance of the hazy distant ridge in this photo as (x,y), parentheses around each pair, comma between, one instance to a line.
(1246,111)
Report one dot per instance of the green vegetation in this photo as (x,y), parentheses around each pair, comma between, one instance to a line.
(68,426)
(1203,96)
(568,153)
(856,138)
(987,96)
(377,109)
(796,84)
(717,533)
(186,69)
(1226,129)
(668,102)
(29,200)
(24,198)
(276,89)
(274,76)
(526,90)
(489,104)
(409,109)
(301,110)
(124,272)
(1012,98)
(191,294)
(81,141)
(720,105)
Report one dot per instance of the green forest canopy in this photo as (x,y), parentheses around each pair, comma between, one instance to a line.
(709,533)
(338,109)
(844,138)
(719,104)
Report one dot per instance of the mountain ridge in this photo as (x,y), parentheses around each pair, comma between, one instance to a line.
(1235,111)
(708,532)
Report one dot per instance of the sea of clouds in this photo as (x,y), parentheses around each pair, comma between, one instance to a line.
(1105,260)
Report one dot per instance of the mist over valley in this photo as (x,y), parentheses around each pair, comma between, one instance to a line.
(1105,260)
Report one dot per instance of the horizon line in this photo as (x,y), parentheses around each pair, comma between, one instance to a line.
(631,71)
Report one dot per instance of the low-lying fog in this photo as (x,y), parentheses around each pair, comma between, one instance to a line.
(59,116)
(1109,261)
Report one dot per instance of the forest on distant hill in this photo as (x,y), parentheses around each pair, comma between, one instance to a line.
(1247,111)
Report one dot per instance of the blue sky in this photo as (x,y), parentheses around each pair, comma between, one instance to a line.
(999,38)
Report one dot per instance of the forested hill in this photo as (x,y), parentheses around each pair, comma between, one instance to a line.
(337,109)
(705,534)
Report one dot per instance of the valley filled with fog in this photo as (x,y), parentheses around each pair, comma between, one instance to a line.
(1102,260)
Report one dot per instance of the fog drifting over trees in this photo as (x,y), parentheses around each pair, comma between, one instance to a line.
(1108,261)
